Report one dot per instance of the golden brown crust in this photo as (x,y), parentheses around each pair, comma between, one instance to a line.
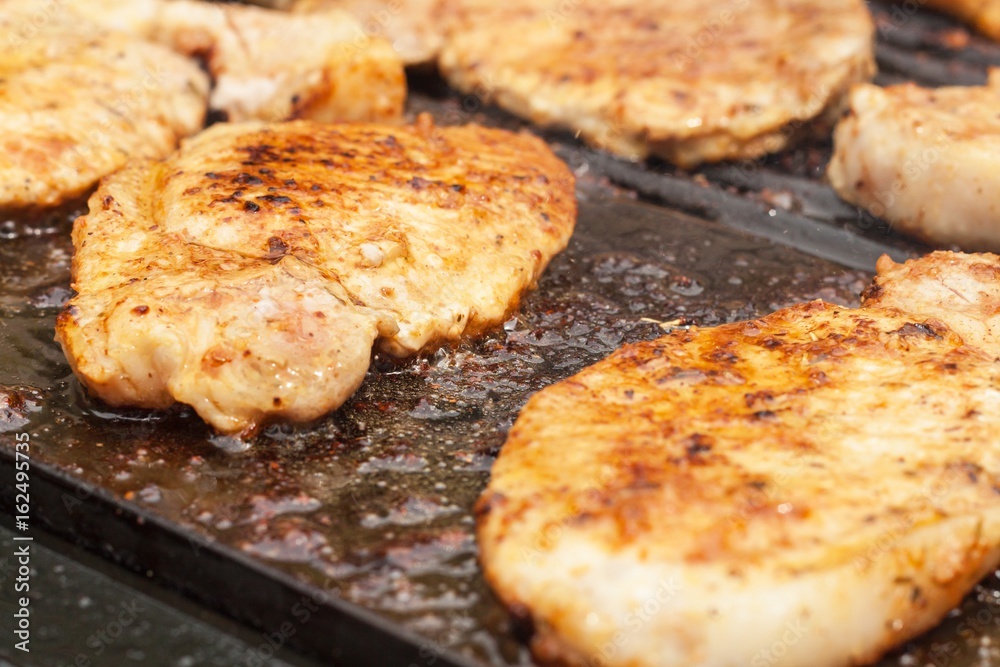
(688,81)
(265,64)
(271,65)
(249,274)
(957,288)
(78,101)
(695,397)
(759,465)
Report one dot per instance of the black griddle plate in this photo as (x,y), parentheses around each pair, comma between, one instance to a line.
(363,520)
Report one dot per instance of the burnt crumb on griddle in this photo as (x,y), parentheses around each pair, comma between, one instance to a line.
(16,403)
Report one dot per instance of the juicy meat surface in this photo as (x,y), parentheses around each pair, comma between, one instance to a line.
(821,480)
(271,65)
(924,159)
(249,274)
(83,87)
(983,14)
(957,288)
(686,80)
(413,27)
(77,101)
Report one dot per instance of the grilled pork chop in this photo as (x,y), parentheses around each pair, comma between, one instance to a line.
(77,100)
(687,80)
(924,159)
(983,14)
(270,65)
(249,274)
(809,488)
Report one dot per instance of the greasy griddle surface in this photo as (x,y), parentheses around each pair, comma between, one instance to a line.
(374,502)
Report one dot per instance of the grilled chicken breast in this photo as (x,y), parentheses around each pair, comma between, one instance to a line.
(249,274)
(413,27)
(78,100)
(983,14)
(686,80)
(809,488)
(271,65)
(924,159)
(957,288)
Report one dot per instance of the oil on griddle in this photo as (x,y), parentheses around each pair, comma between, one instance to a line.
(374,501)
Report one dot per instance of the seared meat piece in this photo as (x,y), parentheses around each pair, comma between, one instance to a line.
(810,488)
(924,159)
(983,14)
(249,274)
(956,288)
(687,80)
(271,65)
(412,26)
(77,101)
